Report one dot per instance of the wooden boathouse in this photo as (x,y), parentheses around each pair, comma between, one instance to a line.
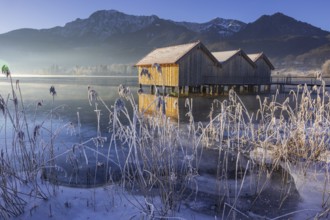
(180,68)
(186,68)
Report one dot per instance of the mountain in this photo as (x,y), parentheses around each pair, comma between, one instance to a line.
(105,37)
(98,27)
(283,39)
(218,26)
(109,36)
(276,26)
(102,25)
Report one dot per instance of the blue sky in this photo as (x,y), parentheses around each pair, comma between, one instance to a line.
(49,13)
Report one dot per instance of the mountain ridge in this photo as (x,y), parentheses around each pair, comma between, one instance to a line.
(110,36)
(278,25)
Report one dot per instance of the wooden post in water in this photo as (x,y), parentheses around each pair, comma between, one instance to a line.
(182,90)
(152,89)
(241,89)
(190,89)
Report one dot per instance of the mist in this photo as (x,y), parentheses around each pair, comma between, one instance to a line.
(77,60)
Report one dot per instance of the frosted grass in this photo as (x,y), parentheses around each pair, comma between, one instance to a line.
(152,156)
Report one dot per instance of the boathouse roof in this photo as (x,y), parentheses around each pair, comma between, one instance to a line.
(256,56)
(172,54)
(224,56)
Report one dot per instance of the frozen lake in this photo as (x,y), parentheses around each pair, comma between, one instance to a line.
(71,100)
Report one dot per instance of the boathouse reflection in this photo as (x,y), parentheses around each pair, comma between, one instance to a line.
(148,104)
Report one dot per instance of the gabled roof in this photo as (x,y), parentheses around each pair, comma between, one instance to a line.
(256,56)
(172,54)
(224,56)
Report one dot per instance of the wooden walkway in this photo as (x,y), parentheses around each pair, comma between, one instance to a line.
(282,82)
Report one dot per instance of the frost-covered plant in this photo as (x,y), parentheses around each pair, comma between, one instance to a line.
(162,160)
(26,155)
(164,168)
(295,130)
(5,70)
(154,162)
(145,72)
(157,67)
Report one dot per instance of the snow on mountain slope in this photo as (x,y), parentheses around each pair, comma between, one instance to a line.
(224,27)
(106,23)
(103,24)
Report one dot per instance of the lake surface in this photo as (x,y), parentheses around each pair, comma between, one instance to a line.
(72,94)
(72,98)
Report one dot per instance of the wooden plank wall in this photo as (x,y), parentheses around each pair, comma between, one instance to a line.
(168,77)
(194,66)
(263,72)
(236,71)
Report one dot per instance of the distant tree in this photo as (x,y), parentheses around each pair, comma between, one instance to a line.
(326,68)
